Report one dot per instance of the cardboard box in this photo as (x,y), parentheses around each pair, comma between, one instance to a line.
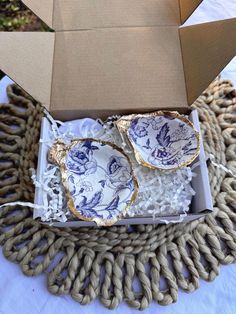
(119,56)
(201,202)
(116,56)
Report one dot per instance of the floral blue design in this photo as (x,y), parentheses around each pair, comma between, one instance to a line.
(156,123)
(139,129)
(81,160)
(87,207)
(114,165)
(158,153)
(118,174)
(162,141)
(100,180)
(162,137)
(147,145)
(112,206)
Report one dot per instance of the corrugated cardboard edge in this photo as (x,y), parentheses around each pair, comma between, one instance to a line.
(201,181)
(31,52)
(206,49)
(187,7)
(44,9)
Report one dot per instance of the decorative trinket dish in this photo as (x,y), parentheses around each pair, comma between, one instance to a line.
(163,140)
(97,177)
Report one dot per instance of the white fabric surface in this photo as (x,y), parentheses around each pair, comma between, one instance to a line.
(23,295)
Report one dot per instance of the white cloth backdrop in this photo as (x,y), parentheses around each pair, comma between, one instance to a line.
(23,295)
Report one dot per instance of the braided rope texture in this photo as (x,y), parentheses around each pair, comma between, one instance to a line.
(104,263)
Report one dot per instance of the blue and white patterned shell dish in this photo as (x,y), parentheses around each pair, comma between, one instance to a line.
(98,179)
(161,140)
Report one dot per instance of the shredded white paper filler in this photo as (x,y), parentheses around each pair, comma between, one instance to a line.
(160,193)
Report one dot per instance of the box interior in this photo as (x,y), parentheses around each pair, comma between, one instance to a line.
(64,15)
(124,73)
(201,203)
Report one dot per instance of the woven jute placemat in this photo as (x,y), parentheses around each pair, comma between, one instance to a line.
(104,262)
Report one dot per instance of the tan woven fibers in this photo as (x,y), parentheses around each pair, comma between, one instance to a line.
(144,254)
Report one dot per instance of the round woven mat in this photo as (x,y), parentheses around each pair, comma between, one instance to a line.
(104,262)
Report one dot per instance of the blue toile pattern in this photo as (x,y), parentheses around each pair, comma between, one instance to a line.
(100,181)
(163,142)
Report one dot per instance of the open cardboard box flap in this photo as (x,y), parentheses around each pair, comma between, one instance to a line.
(112,68)
(62,15)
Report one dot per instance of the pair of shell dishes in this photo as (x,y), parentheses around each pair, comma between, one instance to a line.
(98,176)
